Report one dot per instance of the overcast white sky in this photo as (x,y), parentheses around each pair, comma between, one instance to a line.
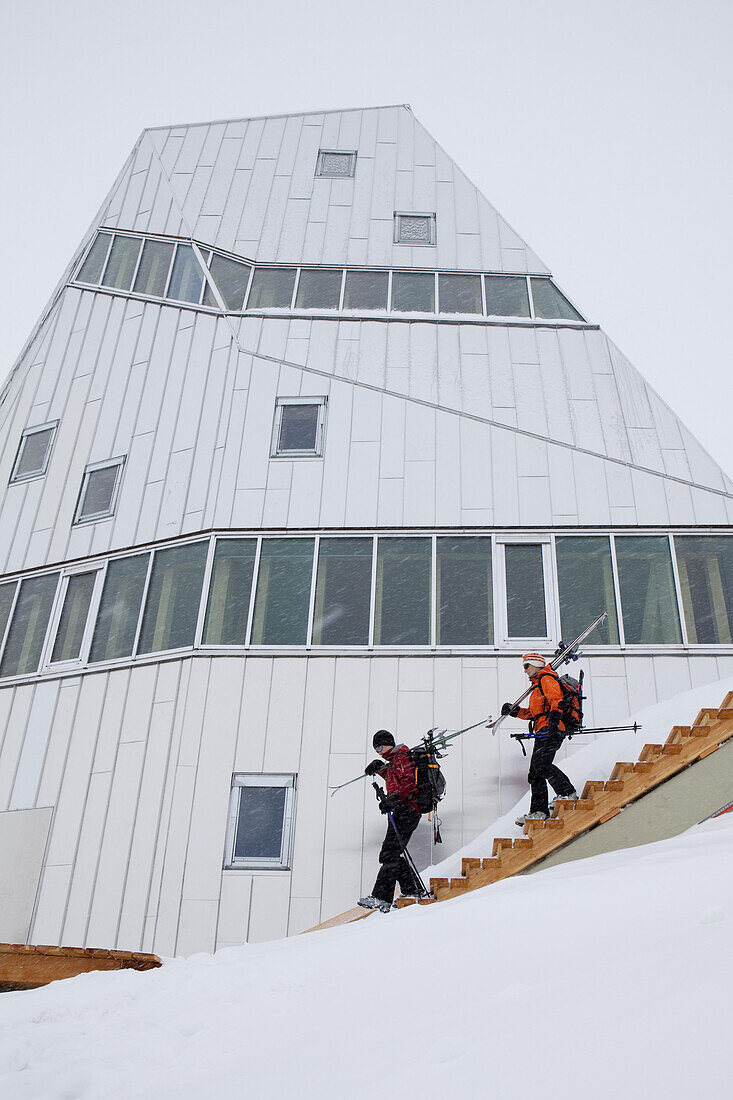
(601,129)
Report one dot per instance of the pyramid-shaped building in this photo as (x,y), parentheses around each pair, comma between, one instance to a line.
(309,443)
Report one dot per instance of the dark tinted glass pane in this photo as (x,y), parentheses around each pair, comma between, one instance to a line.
(318,289)
(464,593)
(366,290)
(506,296)
(271,286)
(525,592)
(186,277)
(172,604)
(70,633)
(119,609)
(413,291)
(283,592)
(550,304)
(298,428)
(705,565)
(231,279)
(98,492)
(230,592)
(152,274)
(34,449)
(121,263)
(260,823)
(7,592)
(343,587)
(585,581)
(28,628)
(91,269)
(460,293)
(648,600)
(402,598)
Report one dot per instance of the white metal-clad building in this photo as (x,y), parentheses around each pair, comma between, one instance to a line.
(308,443)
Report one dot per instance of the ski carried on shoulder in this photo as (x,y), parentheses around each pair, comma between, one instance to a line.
(565,653)
(438,739)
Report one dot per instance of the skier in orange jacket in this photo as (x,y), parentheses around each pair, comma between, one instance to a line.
(547,727)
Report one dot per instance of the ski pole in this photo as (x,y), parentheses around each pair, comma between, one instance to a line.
(566,653)
(381,798)
(522,737)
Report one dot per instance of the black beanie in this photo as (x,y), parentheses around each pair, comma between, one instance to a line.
(382,737)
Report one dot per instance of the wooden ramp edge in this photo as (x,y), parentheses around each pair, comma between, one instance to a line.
(28,966)
(351,915)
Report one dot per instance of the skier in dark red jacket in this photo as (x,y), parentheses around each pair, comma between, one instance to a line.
(398,772)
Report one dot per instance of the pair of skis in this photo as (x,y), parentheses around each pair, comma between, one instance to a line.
(440,738)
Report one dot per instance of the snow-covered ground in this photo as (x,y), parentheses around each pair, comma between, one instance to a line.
(609,976)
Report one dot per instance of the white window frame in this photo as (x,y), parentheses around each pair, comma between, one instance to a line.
(120,464)
(240,780)
(432,228)
(322,153)
(99,569)
(317,450)
(51,425)
(501,627)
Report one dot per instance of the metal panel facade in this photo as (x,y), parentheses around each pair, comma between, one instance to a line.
(432,423)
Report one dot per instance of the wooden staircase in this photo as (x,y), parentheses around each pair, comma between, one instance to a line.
(601,800)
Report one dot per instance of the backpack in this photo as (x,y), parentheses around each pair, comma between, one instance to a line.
(571,706)
(429,779)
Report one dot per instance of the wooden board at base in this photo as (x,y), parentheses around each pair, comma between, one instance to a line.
(357,913)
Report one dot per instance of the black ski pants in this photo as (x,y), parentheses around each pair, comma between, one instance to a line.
(395,867)
(542,770)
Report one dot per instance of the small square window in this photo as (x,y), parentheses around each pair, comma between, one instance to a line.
(416,229)
(335,164)
(299,427)
(99,489)
(260,831)
(34,452)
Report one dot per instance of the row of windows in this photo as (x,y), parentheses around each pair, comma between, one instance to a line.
(364,590)
(168,269)
(298,430)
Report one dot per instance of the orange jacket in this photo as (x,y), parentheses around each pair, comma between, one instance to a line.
(545,698)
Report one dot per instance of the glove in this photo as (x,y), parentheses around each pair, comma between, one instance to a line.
(553,722)
(389,804)
(375,767)
(510,709)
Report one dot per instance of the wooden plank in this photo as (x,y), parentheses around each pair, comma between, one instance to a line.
(351,915)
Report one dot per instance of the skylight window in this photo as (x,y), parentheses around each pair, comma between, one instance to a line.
(99,489)
(335,164)
(34,452)
(298,429)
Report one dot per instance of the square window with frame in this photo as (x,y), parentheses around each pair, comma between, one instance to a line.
(414,229)
(260,826)
(336,163)
(34,452)
(299,427)
(99,490)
